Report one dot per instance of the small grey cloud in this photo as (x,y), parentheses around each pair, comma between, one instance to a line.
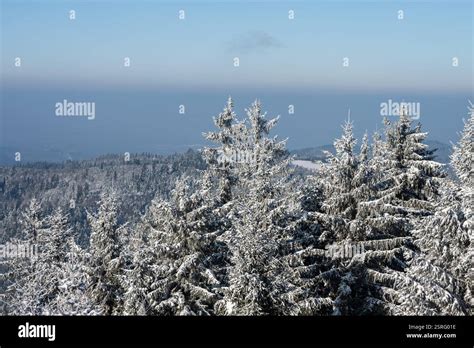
(254,41)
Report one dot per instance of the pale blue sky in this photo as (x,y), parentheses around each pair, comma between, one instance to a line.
(190,62)
(385,53)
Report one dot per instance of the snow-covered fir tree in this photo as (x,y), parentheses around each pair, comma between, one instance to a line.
(445,238)
(261,279)
(444,261)
(52,255)
(138,274)
(346,182)
(32,221)
(411,176)
(105,258)
(377,202)
(37,280)
(72,297)
(405,196)
(182,238)
(23,296)
(219,159)
(462,156)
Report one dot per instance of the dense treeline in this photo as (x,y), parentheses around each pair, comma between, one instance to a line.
(75,186)
(378,230)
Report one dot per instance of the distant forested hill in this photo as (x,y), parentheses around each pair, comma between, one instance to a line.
(75,186)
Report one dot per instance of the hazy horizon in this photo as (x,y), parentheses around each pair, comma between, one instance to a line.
(190,62)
